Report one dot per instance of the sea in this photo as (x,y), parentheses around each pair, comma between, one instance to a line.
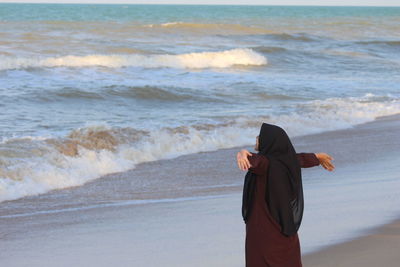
(92,89)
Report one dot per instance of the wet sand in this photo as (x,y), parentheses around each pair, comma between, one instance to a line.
(380,248)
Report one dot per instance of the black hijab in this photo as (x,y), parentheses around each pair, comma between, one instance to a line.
(284,190)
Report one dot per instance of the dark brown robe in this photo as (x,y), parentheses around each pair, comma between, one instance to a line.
(265,245)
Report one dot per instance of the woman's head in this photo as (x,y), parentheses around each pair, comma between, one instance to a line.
(272,140)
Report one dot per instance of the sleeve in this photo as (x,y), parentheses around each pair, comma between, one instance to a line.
(307,160)
(258,163)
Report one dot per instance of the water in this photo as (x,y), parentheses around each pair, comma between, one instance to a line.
(86,90)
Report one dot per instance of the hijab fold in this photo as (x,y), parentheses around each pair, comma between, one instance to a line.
(284,190)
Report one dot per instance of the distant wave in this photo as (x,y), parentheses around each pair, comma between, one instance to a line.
(146,92)
(154,93)
(149,93)
(301,37)
(381,42)
(67,92)
(198,60)
(34,165)
(222,28)
(346,53)
(269,96)
(270,49)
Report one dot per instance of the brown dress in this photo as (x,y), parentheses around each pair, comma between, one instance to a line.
(265,245)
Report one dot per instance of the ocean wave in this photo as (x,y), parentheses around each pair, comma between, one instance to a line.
(269,96)
(197,60)
(395,43)
(146,92)
(35,165)
(215,28)
(269,49)
(299,37)
(154,93)
(347,53)
(69,92)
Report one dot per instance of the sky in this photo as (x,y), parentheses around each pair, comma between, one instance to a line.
(228,2)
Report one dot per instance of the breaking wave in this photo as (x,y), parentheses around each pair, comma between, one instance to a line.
(34,165)
(197,60)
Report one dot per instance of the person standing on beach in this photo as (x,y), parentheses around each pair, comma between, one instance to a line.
(272,206)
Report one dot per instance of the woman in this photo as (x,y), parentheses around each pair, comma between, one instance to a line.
(272,205)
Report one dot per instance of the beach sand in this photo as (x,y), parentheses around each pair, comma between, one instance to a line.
(198,226)
(380,248)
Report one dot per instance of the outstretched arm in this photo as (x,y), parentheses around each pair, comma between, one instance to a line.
(247,160)
(308,160)
(242,159)
(251,161)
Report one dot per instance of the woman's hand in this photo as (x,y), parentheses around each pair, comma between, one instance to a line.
(325,161)
(242,160)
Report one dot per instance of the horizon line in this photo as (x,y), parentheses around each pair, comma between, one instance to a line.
(188,4)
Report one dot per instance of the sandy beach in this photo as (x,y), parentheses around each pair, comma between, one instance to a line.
(176,227)
(380,248)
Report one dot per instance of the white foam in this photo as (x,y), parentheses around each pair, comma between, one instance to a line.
(199,60)
(51,169)
(172,23)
